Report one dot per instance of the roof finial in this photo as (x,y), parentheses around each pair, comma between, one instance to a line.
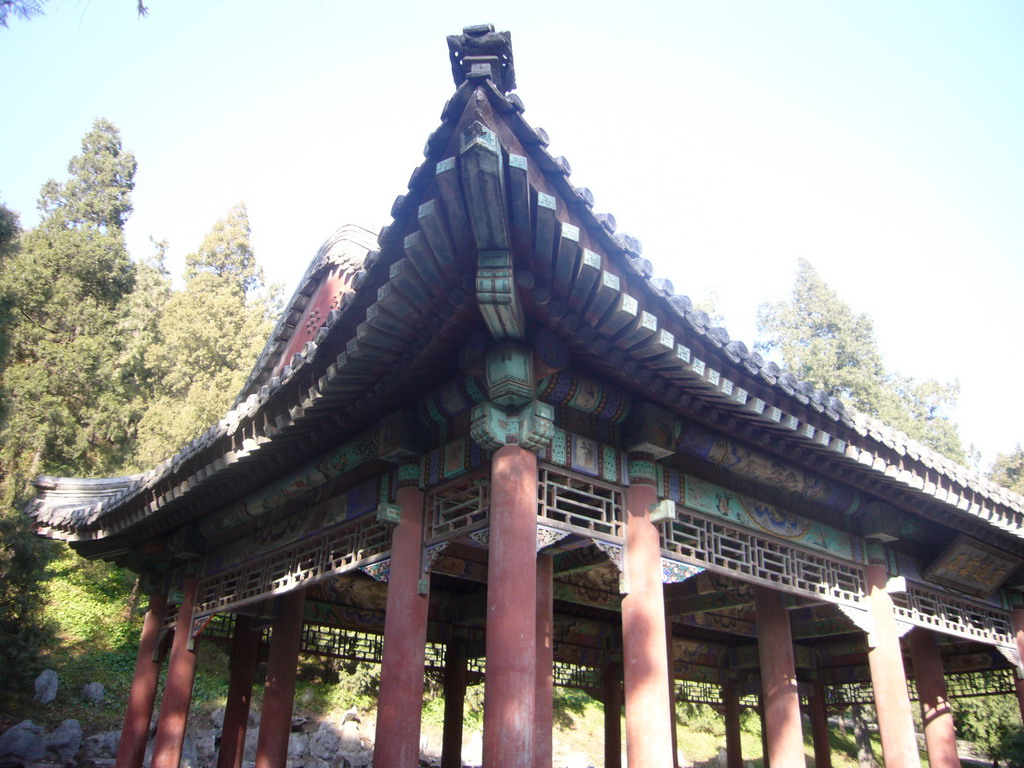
(481,53)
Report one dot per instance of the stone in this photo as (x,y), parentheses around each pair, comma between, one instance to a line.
(93,693)
(351,737)
(23,743)
(189,756)
(325,743)
(251,737)
(206,744)
(298,745)
(101,746)
(65,740)
(46,687)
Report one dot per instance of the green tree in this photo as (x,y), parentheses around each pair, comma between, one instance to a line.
(66,286)
(1008,469)
(208,336)
(823,341)
(62,287)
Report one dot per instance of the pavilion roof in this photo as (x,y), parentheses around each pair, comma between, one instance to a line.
(290,411)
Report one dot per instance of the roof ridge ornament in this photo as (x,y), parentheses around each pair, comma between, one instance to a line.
(480,53)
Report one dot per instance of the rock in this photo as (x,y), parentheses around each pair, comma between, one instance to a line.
(102,746)
(65,740)
(189,756)
(23,743)
(298,745)
(206,744)
(46,687)
(351,737)
(217,719)
(325,742)
(93,693)
(357,759)
(351,714)
(249,751)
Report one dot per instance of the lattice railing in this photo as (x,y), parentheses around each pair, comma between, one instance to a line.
(698,692)
(737,551)
(331,553)
(842,695)
(953,615)
(580,502)
(458,508)
(965,685)
(568,675)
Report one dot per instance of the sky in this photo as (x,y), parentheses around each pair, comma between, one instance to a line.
(881,141)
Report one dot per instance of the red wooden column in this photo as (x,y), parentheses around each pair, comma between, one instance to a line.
(1017,621)
(509,697)
(733,748)
(778,681)
(135,732)
(181,674)
(645,656)
(936,714)
(819,726)
(888,678)
(613,716)
(454,703)
(673,720)
(279,689)
(400,703)
(245,653)
(544,712)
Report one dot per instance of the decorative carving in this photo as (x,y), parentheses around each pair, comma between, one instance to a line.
(612,551)
(379,571)
(481,537)
(548,536)
(674,572)
(481,52)
(861,618)
(433,554)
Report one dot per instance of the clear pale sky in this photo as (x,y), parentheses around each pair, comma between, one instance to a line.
(882,141)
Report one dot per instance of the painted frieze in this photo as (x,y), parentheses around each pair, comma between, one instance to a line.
(710,499)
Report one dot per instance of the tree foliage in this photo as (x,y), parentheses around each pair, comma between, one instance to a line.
(206,340)
(1008,469)
(823,341)
(24,9)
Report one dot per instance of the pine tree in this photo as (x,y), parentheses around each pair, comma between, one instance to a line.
(208,337)
(823,341)
(1008,470)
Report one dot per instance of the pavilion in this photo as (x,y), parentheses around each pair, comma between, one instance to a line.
(491,442)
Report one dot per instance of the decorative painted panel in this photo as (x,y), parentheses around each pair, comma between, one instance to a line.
(585,456)
(766,469)
(711,499)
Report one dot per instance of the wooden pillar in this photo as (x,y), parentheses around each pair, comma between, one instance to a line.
(672,721)
(400,704)
(279,689)
(888,678)
(733,747)
(142,696)
(454,704)
(245,656)
(510,645)
(645,660)
(545,662)
(1017,621)
(936,714)
(778,681)
(819,726)
(613,716)
(181,674)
